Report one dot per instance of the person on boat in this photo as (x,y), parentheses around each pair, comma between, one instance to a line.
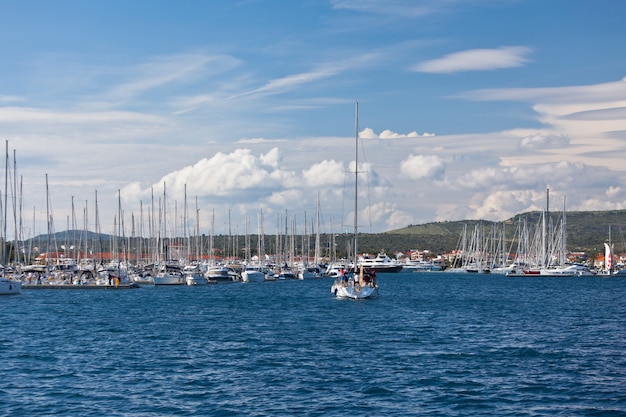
(342,275)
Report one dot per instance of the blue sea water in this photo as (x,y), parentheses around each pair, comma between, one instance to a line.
(432,344)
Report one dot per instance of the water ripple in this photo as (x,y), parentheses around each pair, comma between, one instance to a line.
(432,344)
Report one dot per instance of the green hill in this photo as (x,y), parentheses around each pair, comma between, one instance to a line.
(586,231)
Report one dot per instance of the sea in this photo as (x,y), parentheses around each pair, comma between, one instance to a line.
(432,344)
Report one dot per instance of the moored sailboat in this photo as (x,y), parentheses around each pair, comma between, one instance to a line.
(361,284)
(9,286)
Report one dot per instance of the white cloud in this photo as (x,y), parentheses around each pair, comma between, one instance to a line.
(400,8)
(236,173)
(585,96)
(543,141)
(476,60)
(9,99)
(526,176)
(163,70)
(418,167)
(259,140)
(504,204)
(369,133)
(285,198)
(325,173)
(30,115)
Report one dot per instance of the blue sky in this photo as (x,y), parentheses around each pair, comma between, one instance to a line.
(468,109)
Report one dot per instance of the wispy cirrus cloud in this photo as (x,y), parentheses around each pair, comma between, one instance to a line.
(404,8)
(323,71)
(163,70)
(34,115)
(592,93)
(10,99)
(476,60)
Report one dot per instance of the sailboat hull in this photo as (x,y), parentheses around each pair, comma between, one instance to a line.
(9,287)
(353,291)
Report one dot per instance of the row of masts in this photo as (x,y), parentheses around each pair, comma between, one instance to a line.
(540,246)
(160,240)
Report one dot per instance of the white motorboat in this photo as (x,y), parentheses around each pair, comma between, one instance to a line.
(287,273)
(421,266)
(309,272)
(381,263)
(222,273)
(194,276)
(253,274)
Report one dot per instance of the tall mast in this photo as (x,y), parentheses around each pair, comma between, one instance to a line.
(6,207)
(564,235)
(48,225)
(356,187)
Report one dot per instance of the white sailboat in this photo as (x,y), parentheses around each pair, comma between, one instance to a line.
(9,286)
(361,284)
(254,270)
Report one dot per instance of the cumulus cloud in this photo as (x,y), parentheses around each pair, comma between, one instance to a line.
(477,60)
(611,192)
(532,176)
(423,166)
(325,173)
(369,133)
(503,204)
(235,173)
(543,141)
(398,219)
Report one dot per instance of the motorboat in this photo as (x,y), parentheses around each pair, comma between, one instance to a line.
(253,274)
(381,263)
(222,273)
(421,266)
(194,276)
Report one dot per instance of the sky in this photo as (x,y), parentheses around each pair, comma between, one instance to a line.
(240,115)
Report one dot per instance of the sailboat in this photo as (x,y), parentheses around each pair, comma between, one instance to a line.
(9,286)
(362,284)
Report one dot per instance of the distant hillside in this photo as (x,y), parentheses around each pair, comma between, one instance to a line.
(586,230)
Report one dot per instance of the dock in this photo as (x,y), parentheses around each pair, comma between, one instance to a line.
(78,287)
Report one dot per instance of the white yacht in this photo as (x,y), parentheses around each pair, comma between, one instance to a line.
(253,273)
(381,263)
